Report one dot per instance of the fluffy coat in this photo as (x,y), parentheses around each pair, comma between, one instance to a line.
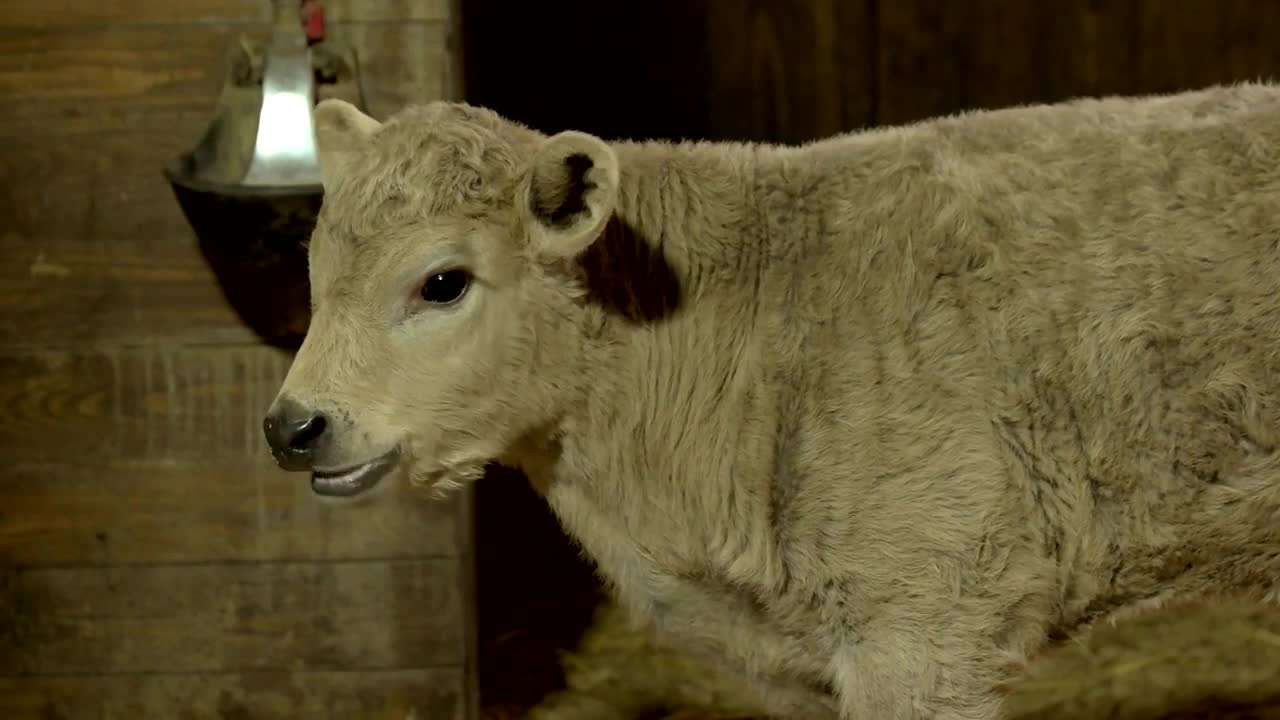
(868,421)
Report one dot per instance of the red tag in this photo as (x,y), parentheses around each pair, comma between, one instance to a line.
(315,20)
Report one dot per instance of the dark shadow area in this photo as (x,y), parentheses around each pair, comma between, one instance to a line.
(255,245)
(535,594)
(617,70)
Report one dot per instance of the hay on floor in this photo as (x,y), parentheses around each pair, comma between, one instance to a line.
(1208,660)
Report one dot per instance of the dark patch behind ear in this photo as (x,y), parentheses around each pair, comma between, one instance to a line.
(558,193)
(629,277)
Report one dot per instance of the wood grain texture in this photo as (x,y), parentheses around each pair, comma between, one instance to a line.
(153,561)
(116,513)
(30,14)
(193,404)
(388,11)
(87,78)
(362,695)
(95,249)
(151,64)
(81,270)
(789,72)
(401,63)
(1184,44)
(37,13)
(937,58)
(375,615)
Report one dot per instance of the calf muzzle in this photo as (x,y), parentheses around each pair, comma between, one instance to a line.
(297,435)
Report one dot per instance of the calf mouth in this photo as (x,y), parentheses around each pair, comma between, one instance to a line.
(353,480)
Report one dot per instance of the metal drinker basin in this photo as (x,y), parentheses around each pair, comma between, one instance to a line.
(250,188)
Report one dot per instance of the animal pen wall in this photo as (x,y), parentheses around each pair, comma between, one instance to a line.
(153,562)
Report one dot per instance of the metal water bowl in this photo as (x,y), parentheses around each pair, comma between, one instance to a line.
(250,188)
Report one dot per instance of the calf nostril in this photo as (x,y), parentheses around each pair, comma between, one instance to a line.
(307,432)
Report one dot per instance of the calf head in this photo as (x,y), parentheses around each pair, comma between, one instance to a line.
(448,314)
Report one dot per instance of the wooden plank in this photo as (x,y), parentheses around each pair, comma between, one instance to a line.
(28,14)
(80,269)
(106,104)
(198,404)
(90,79)
(940,58)
(388,11)
(119,513)
(41,14)
(401,63)
(168,64)
(937,58)
(96,247)
(924,52)
(432,693)
(376,615)
(790,72)
(139,64)
(1184,44)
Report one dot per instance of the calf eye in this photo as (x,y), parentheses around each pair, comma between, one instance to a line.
(445,287)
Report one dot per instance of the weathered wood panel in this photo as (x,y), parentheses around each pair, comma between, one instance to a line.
(376,615)
(936,58)
(400,63)
(36,13)
(142,64)
(789,72)
(1182,44)
(94,249)
(84,278)
(197,404)
(81,79)
(363,695)
(388,11)
(124,513)
(116,13)
(153,561)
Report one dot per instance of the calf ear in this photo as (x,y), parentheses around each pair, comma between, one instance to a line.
(342,131)
(571,193)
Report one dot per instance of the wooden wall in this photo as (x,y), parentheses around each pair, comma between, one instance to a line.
(792,70)
(153,562)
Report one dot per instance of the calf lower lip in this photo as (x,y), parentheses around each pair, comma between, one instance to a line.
(352,481)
